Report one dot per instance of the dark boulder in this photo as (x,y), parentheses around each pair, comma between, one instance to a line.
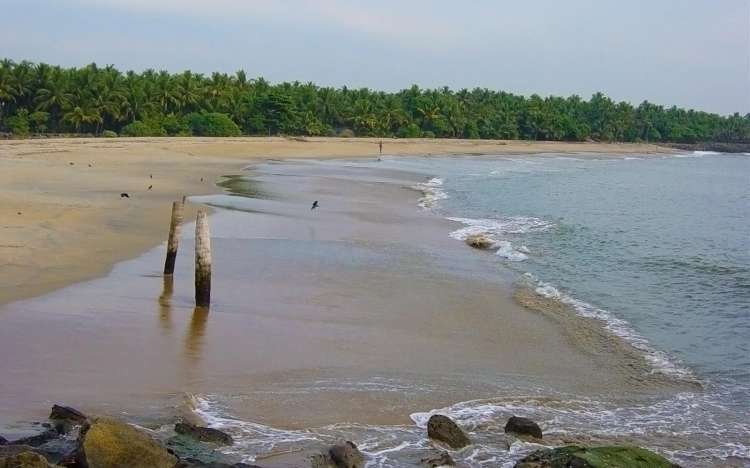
(62,451)
(438,459)
(347,455)
(3,440)
(443,429)
(68,414)
(573,456)
(523,426)
(203,434)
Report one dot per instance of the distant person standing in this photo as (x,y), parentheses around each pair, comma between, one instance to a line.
(381,147)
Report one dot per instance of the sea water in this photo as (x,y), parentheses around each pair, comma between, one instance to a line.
(656,248)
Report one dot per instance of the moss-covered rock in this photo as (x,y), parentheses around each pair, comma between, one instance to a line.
(595,457)
(480,241)
(24,460)
(114,444)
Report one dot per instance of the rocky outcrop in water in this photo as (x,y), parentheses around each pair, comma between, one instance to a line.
(66,414)
(343,455)
(443,429)
(203,434)
(596,457)
(480,241)
(523,426)
(108,443)
(346,455)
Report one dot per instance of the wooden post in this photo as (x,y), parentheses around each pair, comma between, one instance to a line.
(174,237)
(202,261)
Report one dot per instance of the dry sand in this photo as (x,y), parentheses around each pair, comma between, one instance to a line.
(62,219)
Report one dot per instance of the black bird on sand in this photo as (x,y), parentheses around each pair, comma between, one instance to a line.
(150,187)
(124,195)
(315,205)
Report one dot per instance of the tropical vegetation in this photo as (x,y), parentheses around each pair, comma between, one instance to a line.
(47,99)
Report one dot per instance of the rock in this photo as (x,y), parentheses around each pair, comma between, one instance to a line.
(204,434)
(438,459)
(523,426)
(24,460)
(39,439)
(62,451)
(347,455)
(480,241)
(598,457)
(443,429)
(68,414)
(109,443)
(3,440)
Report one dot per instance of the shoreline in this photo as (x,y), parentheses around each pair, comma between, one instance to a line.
(624,367)
(73,225)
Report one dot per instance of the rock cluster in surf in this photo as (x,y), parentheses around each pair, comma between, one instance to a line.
(75,440)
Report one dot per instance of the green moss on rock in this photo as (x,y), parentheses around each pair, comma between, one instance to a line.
(595,457)
(111,443)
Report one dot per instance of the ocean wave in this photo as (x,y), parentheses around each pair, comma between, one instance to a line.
(432,193)
(659,361)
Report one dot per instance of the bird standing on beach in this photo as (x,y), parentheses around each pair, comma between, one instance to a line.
(124,195)
(150,187)
(314,205)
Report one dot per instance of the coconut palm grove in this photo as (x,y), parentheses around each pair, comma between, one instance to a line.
(39,99)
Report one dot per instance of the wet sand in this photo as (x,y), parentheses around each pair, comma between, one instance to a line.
(74,226)
(363,311)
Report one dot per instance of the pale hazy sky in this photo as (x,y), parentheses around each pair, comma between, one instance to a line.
(691,53)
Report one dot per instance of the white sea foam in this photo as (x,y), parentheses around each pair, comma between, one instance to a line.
(689,416)
(659,360)
(432,193)
(505,249)
(707,430)
(251,439)
(705,153)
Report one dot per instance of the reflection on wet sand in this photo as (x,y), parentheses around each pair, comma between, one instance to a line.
(195,334)
(165,304)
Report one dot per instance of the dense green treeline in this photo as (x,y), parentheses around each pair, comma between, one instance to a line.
(40,98)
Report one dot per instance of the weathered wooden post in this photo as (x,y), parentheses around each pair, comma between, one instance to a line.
(202,261)
(174,237)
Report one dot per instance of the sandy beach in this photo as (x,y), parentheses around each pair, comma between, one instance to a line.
(63,220)
(351,321)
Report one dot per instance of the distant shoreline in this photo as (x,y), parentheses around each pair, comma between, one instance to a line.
(73,225)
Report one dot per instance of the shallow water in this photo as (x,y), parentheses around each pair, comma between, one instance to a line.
(361,318)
